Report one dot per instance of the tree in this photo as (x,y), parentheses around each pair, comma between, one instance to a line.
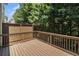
(56,18)
(37,14)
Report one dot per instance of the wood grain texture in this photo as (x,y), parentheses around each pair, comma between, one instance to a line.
(34,48)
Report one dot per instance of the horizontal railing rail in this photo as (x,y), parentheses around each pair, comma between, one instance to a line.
(69,43)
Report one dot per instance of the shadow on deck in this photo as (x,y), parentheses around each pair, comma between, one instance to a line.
(32,48)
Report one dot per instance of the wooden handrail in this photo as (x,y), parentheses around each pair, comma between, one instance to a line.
(72,37)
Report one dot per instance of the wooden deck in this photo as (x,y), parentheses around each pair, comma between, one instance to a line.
(32,48)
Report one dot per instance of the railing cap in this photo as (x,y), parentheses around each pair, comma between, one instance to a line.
(54,34)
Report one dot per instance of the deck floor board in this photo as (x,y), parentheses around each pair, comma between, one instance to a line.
(33,48)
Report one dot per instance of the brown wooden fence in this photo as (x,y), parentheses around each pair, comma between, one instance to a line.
(16,32)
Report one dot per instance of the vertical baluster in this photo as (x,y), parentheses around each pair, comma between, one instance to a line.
(69,44)
(75,46)
(50,39)
(47,38)
(43,37)
(38,35)
(60,41)
(57,40)
(35,34)
(54,40)
(64,43)
(72,45)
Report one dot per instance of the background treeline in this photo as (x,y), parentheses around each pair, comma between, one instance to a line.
(55,18)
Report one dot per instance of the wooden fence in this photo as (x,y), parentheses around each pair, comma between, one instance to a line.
(16,32)
(67,43)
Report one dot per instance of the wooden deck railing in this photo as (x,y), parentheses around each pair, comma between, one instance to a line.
(64,42)
(67,43)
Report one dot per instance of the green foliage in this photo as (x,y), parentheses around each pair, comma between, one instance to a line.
(57,18)
(31,13)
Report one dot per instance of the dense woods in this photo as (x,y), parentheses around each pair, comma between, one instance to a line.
(55,18)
